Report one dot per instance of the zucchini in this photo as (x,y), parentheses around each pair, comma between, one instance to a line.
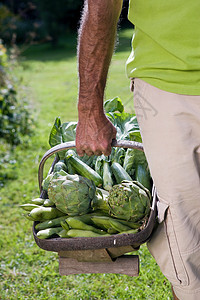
(83,233)
(29,206)
(83,169)
(133,225)
(142,175)
(99,165)
(28,217)
(101,222)
(112,231)
(71,170)
(64,225)
(110,224)
(75,223)
(63,234)
(129,161)
(119,173)
(38,201)
(85,218)
(48,203)
(115,224)
(131,231)
(50,223)
(60,166)
(46,233)
(45,213)
(107,176)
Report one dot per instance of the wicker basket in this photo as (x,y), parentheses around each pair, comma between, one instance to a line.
(95,249)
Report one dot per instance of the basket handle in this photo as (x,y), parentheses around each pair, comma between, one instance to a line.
(69,145)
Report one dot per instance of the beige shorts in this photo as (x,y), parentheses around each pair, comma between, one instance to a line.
(170,128)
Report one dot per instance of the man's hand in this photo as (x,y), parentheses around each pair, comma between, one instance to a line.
(94,135)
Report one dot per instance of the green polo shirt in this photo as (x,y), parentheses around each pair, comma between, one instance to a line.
(166,44)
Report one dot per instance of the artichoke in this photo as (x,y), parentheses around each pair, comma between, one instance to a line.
(47,180)
(129,201)
(72,194)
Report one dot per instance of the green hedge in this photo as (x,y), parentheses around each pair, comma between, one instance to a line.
(42,20)
(15,119)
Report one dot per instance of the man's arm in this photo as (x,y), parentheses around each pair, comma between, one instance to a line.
(95,48)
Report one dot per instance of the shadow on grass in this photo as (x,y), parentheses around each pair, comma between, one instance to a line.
(66,48)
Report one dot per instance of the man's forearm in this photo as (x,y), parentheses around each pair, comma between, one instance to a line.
(94,132)
(95,48)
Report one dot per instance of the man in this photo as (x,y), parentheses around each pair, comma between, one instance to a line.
(165,65)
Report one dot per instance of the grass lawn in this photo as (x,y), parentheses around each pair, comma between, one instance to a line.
(26,271)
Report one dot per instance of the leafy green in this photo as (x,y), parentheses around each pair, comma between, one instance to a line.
(61,133)
(102,167)
(66,132)
(129,162)
(135,164)
(99,164)
(69,131)
(55,136)
(114,104)
(127,129)
(133,158)
(125,123)
(89,160)
(118,155)
(135,136)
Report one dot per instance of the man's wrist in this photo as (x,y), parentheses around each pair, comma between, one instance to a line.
(90,106)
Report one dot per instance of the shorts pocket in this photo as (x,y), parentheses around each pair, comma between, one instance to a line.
(176,258)
(164,248)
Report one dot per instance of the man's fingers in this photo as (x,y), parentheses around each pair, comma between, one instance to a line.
(80,152)
(97,147)
(106,149)
(89,152)
(92,151)
(107,152)
(98,153)
(79,149)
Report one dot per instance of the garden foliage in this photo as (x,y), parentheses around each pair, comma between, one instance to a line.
(15,120)
(24,21)
(37,21)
